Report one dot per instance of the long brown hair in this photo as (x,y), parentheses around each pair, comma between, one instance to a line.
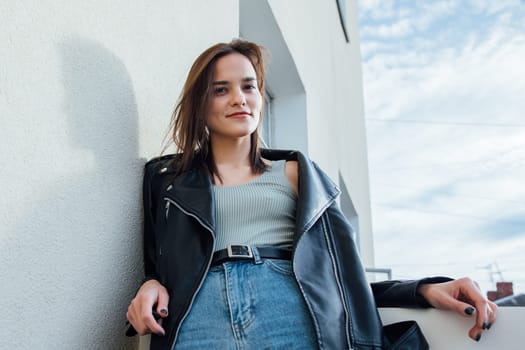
(188,121)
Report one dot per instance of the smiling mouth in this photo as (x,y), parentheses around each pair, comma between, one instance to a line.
(239,115)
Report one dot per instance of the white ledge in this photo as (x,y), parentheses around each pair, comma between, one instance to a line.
(445,330)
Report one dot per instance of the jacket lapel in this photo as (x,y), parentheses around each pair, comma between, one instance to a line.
(193,192)
(316,190)
(316,193)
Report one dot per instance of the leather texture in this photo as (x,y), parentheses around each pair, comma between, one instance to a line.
(178,247)
(404,336)
(222,255)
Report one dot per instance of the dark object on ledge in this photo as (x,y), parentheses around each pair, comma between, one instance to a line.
(511,300)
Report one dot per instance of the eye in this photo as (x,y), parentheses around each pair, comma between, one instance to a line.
(220,90)
(250,87)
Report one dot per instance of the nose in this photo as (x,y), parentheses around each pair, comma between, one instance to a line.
(238,97)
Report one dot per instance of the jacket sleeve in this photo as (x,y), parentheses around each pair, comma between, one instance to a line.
(402,293)
(149,209)
(149,245)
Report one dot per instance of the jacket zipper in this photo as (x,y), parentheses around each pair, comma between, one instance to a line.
(169,200)
(342,300)
(167,208)
(319,214)
(307,304)
(338,281)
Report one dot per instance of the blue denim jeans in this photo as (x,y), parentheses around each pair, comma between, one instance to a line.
(247,305)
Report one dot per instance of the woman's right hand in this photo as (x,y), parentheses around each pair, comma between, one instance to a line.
(140,314)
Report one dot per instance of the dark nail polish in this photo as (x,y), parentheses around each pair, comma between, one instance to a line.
(164,311)
(469,310)
(478,337)
(484,326)
(489,325)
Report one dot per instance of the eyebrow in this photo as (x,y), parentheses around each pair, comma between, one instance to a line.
(226,82)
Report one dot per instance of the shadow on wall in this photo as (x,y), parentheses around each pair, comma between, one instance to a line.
(76,258)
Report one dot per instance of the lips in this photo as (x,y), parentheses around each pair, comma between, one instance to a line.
(239,115)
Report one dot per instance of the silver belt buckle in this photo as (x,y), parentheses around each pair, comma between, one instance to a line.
(239,251)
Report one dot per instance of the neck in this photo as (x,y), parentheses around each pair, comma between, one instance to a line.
(231,153)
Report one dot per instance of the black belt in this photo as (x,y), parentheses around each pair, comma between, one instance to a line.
(245,252)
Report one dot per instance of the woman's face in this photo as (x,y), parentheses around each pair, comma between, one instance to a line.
(235,106)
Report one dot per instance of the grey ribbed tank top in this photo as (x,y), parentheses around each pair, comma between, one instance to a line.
(260,212)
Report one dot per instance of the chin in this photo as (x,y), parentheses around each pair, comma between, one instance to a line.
(243,133)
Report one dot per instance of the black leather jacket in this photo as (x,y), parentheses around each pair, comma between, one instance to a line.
(179,238)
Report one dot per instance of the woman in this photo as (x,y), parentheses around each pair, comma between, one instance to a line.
(246,247)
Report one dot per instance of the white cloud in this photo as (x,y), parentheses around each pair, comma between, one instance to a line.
(495,7)
(396,21)
(399,28)
(446,187)
(449,84)
(376,9)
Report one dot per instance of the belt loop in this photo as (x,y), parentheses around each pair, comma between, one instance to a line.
(256,256)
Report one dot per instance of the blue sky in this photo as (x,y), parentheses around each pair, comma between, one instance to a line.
(444,88)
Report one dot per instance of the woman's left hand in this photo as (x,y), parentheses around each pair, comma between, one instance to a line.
(464,296)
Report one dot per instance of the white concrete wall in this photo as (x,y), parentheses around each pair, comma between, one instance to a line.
(446,330)
(86,91)
(330,69)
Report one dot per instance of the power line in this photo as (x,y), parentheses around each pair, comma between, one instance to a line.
(431,212)
(437,122)
(435,165)
(485,280)
(478,264)
(448,193)
(441,213)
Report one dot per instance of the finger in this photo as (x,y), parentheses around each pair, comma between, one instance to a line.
(450,303)
(162,302)
(152,325)
(492,314)
(146,304)
(475,333)
(494,309)
(483,308)
(471,293)
(139,327)
(482,313)
(133,316)
(147,320)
